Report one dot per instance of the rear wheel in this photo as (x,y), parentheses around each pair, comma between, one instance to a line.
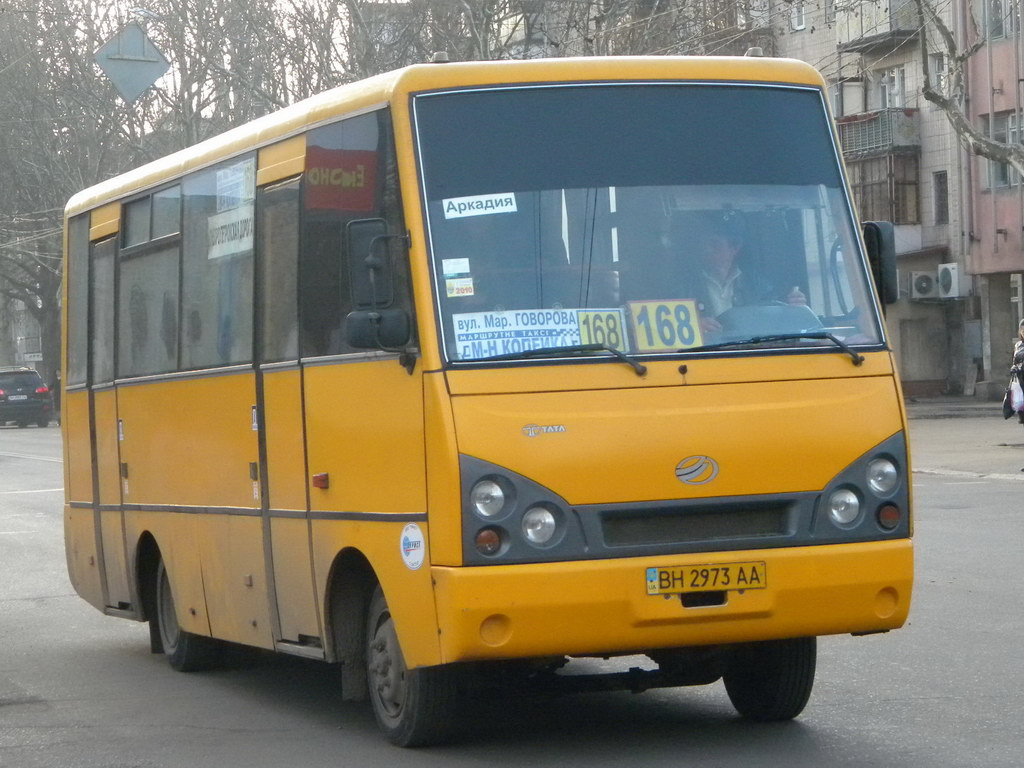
(185,651)
(413,707)
(772,681)
(43,421)
(22,424)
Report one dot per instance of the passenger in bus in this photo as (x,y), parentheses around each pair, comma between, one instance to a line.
(722,280)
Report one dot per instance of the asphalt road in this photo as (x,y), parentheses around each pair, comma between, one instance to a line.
(81,690)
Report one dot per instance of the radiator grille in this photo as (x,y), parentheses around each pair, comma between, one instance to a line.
(690,524)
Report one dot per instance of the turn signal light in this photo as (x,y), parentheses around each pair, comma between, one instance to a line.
(889,516)
(488,541)
(322,480)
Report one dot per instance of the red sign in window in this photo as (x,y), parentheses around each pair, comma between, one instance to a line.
(340,179)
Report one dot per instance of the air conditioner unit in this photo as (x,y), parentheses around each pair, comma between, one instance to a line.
(923,285)
(951,281)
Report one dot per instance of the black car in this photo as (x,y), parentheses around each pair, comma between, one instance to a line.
(24,398)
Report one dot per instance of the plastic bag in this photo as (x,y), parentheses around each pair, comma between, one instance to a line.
(1016,395)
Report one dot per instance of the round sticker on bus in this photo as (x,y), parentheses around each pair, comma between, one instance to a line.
(413,546)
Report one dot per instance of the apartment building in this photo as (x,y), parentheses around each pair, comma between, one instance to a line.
(994,209)
(904,165)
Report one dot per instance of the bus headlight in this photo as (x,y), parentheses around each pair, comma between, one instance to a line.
(488,499)
(883,477)
(843,506)
(539,525)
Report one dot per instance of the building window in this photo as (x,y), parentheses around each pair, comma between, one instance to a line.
(830,11)
(799,17)
(937,71)
(892,88)
(1002,128)
(1000,18)
(885,188)
(940,197)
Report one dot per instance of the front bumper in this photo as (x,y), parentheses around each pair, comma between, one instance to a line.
(601,607)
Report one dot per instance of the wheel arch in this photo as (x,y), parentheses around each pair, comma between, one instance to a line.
(147,560)
(350,586)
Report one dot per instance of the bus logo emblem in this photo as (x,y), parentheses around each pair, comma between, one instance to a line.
(533,430)
(697,470)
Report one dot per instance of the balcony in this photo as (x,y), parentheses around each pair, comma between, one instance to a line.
(883,132)
(877,27)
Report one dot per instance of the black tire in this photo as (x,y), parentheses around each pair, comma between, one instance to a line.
(44,421)
(185,651)
(22,424)
(413,708)
(772,681)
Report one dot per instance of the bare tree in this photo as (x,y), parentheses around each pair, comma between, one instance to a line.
(950,94)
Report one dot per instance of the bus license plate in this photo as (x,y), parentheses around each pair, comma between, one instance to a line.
(706,578)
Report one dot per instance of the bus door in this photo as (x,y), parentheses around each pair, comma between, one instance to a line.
(105,427)
(363,407)
(282,470)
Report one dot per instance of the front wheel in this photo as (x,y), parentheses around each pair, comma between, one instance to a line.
(772,681)
(185,651)
(413,707)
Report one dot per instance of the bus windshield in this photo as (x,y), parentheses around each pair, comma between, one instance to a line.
(649,218)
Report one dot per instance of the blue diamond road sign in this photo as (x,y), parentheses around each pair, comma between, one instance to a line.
(131,61)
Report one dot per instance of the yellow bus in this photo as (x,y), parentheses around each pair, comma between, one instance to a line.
(479,367)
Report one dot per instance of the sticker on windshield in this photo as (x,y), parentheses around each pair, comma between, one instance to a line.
(486,334)
(455,267)
(459,286)
(479,205)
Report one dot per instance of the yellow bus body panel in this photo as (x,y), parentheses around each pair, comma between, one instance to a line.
(293,578)
(189,441)
(623,445)
(409,592)
(286,449)
(80,550)
(364,429)
(282,160)
(104,221)
(235,578)
(77,446)
(444,492)
(601,606)
(177,535)
(107,453)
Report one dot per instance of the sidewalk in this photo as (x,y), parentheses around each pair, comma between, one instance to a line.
(962,437)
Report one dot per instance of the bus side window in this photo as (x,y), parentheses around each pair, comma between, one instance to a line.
(350,174)
(217,289)
(278,244)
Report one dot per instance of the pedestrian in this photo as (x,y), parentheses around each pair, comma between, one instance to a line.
(1013,402)
(55,394)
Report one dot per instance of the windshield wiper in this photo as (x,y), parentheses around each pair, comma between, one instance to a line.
(858,359)
(641,370)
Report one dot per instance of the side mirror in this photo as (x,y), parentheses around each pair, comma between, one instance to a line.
(880,241)
(369,263)
(387,329)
